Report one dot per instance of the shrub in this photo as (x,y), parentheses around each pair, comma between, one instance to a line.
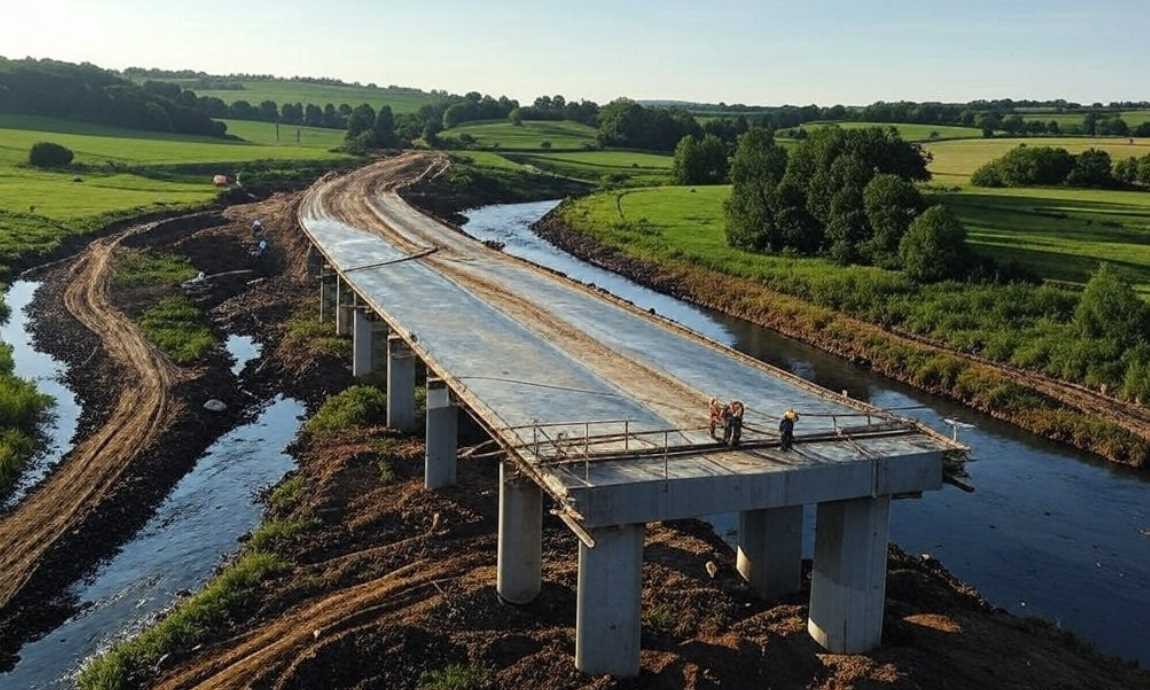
(1091,169)
(358,406)
(178,327)
(45,154)
(1109,308)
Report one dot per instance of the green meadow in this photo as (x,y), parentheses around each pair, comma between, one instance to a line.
(1133,118)
(602,167)
(955,161)
(119,173)
(286,91)
(531,135)
(909,132)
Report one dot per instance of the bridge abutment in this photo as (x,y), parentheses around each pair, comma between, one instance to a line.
(770,553)
(442,441)
(848,586)
(400,385)
(519,573)
(327,295)
(607,617)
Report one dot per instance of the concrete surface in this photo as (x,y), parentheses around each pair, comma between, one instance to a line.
(770,550)
(519,566)
(442,442)
(400,385)
(608,608)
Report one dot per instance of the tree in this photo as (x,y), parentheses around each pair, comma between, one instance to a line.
(1091,169)
(758,165)
(1013,124)
(891,204)
(313,115)
(1144,170)
(385,127)
(431,133)
(1126,171)
(989,123)
(1109,308)
(1052,127)
(269,111)
(516,117)
(362,119)
(934,247)
(45,154)
(700,161)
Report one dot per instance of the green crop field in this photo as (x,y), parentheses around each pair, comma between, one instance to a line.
(118,172)
(954,161)
(264,133)
(623,167)
(909,132)
(530,136)
(319,94)
(1133,118)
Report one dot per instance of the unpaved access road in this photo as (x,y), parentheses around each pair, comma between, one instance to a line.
(143,408)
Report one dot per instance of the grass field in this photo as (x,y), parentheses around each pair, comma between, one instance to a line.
(320,94)
(120,172)
(1133,118)
(954,161)
(264,134)
(615,167)
(506,136)
(909,132)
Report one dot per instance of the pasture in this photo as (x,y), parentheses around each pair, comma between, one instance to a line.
(501,134)
(1133,118)
(603,167)
(264,134)
(117,173)
(909,132)
(287,91)
(955,161)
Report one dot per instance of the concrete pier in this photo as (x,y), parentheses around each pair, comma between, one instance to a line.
(607,617)
(343,301)
(400,385)
(519,573)
(770,554)
(363,344)
(848,586)
(442,435)
(326,296)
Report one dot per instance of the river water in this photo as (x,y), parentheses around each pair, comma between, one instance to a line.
(1049,532)
(193,529)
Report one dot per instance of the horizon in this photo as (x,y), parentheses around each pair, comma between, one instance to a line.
(680,52)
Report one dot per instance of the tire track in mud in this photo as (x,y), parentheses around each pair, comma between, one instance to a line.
(143,408)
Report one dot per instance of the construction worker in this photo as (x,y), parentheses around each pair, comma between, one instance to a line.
(787,429)
(257,228)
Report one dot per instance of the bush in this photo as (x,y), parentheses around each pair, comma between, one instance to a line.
(1026,166)
(1109,308)
(455,677)
(1091,169)
(45,154)
(358,406)
(935,246)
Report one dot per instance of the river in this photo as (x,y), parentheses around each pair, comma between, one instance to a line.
(1049,532)
(196,526)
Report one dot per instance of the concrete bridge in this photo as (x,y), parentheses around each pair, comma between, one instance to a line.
(602,407)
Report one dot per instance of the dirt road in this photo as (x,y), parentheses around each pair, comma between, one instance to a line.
(143,408)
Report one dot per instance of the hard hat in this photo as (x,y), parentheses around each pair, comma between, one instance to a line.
(791,415)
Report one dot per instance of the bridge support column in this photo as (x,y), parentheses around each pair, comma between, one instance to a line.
(442,435)
(343,301)
(519,573)
(363,343)
(400,385)
(607,618)
(770,553)
(327,299)
(848,587)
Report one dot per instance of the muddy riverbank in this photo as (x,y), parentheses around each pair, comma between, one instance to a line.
(113,526)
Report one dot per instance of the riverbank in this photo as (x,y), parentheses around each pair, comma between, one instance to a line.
(96,526)
(1003,395)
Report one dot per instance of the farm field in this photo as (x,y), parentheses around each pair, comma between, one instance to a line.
(264,133)
(910,132)
(955,161)
(130,171)
(623,167)
(1133,118)
(320,94)
(530,136)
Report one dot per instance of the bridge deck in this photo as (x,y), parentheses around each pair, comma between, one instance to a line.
(552,367)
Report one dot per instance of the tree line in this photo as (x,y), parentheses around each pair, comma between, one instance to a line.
(87,92)
(1027,166)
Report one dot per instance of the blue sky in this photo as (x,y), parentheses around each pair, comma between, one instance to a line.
(766,52)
